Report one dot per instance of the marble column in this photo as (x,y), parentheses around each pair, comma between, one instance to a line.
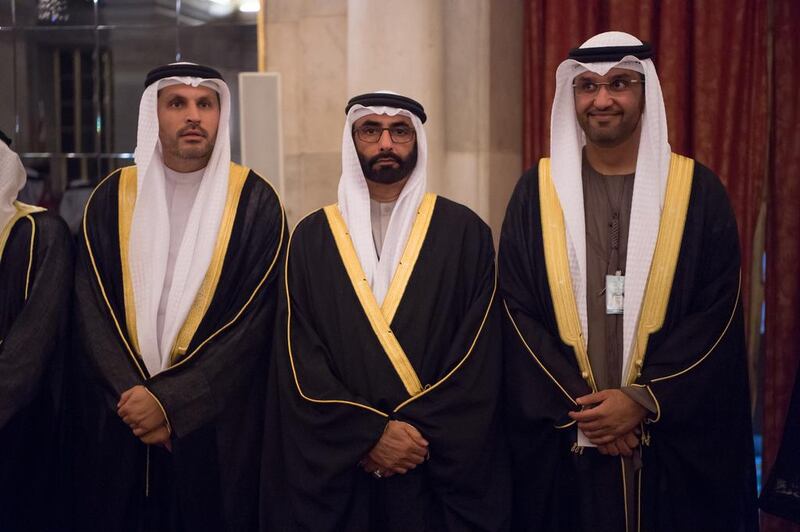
(398,45)
(461,58)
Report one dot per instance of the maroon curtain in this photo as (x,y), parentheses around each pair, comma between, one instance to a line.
(782,339)
(727,108)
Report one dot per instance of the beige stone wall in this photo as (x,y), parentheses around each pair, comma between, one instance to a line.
(307,45)
(460,58)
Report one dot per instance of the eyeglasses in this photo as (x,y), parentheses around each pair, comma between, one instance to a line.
(588,87)
(399,133)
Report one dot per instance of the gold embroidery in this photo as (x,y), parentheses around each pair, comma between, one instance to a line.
(665,260)
(466,356)
(126,201)
(163,411)
(218,331)
(30,255)
(252,294)
(380,326)
(566,425)
(238,176)
(624,492)
(655,400)
(289,340)
(522,339)
(554,237)
(122,335)
(639,501)
(718,340)
(23,210)
(409,259)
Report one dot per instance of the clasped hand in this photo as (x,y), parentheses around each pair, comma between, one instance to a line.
(140,411)
(400,449)
(612,421)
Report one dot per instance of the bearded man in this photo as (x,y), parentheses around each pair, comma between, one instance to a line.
(387,364)
(175,293)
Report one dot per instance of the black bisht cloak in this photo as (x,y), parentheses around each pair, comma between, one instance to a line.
(213,396)
(698,470)
(333,389)
(781,493)
(35,290)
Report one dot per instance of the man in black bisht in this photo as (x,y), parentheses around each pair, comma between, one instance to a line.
(175,293)
(387,366)
(627,395)
(35,287)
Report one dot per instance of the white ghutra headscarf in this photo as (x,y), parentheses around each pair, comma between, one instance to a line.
(354,200)
(652,167)
(12,179)
(150,229)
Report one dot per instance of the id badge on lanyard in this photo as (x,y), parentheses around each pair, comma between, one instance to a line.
(615,293)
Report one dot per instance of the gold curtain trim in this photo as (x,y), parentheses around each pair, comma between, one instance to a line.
(409,259)
(289,340)
(665,260)
(380,326)
(236,181)
(554,236)
(122,335)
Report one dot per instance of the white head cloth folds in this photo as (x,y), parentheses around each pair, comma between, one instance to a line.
(150,233)
(652,166)
(354,202)
(12,179)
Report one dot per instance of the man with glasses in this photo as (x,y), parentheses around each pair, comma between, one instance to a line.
(625,362)
(387,369)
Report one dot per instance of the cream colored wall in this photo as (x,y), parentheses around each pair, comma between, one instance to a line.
(307,45)
(460,58)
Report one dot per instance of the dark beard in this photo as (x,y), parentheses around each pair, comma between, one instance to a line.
(389,175)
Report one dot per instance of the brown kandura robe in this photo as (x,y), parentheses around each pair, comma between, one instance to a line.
(606,197)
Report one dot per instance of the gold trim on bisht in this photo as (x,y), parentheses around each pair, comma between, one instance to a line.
(554,237)
(409,259)
(665,260)
(23,210)
(96,270)
(289,340)
(255,290)
(238,176)
(378,319)
(127,202)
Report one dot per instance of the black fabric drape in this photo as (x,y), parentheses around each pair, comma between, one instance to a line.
(213,399)
(33,333)
(698,471)
(350,389)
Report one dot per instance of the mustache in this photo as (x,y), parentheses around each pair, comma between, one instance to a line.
(388,155)
(197,130)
